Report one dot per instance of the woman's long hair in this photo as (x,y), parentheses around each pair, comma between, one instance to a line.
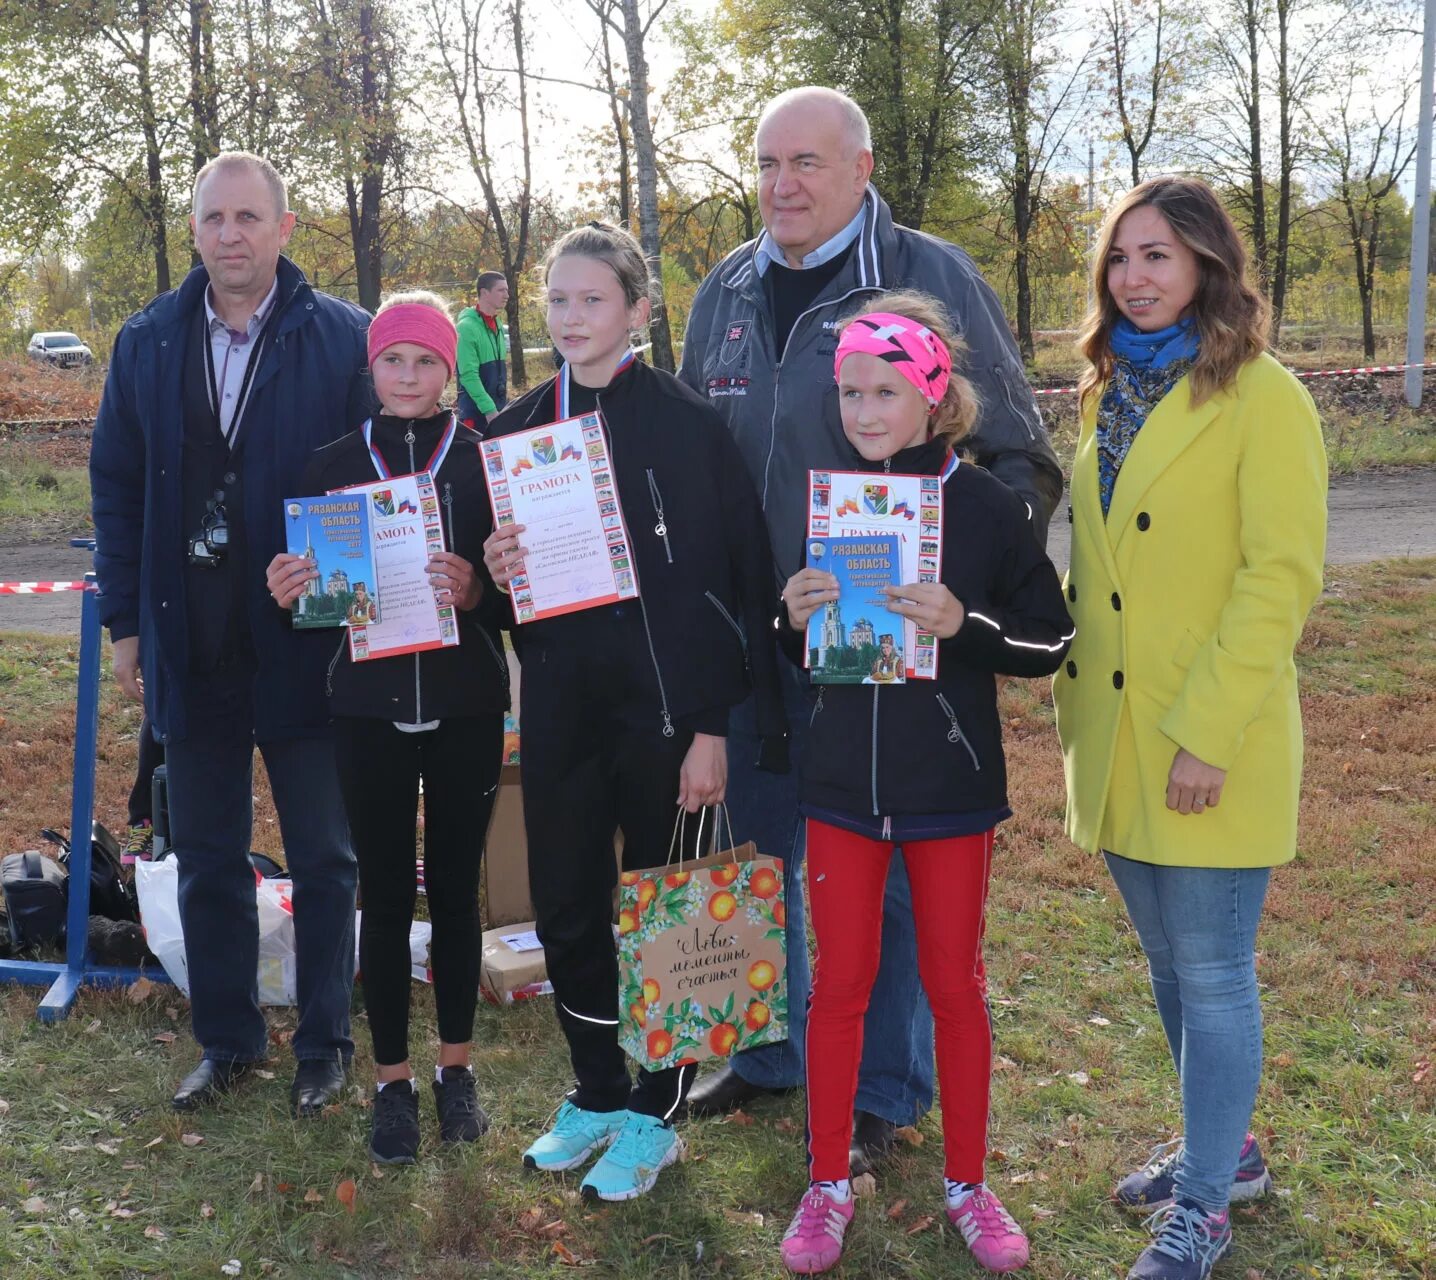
(1231,314)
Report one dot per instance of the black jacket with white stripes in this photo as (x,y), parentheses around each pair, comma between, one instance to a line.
(935,746)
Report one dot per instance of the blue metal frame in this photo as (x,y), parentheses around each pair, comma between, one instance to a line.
(65,980)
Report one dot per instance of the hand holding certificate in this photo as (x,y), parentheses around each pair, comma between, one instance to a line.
(555,484)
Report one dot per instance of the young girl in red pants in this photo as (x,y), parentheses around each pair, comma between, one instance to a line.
(918,766)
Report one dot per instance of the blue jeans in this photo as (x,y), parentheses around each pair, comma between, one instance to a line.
(1198,929)
(211,817)
(895,1080)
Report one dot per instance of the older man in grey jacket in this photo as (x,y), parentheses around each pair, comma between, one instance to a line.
(759,345)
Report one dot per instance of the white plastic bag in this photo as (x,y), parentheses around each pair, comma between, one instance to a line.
(157,884)
(421,934)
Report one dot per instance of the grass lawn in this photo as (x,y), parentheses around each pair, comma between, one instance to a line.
(99,1178)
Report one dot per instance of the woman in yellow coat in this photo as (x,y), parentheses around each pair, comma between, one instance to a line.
(1199,527)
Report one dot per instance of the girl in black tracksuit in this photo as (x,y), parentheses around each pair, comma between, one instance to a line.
(626,705)
(436,715)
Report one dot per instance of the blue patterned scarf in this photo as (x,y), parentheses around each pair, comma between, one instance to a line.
(1145,368)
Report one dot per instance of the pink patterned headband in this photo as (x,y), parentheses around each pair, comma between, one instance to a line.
(414,322)
(914,350)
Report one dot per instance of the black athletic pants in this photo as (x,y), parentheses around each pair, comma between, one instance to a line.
(379,771)
(594,760)
(151,756)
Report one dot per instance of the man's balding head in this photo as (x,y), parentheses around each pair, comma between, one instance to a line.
(814,159)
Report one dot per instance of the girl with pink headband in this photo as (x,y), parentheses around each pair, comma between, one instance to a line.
(917,766)
(435,716)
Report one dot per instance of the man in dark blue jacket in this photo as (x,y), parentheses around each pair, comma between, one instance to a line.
(218,393)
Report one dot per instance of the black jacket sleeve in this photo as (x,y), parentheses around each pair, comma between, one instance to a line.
(1019,626)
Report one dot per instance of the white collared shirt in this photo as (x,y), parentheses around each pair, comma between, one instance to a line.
(230,351)
(768,250)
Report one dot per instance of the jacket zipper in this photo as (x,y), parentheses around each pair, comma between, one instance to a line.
(661,528)
(817,706)
(668,729)
(728,618)
(334,662)
(1012,404)
(778,376)
(875,751)
(955,733)
(413,466)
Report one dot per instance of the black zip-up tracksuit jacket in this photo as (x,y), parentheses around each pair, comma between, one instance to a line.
(467,679)
(706,587)
(935,746)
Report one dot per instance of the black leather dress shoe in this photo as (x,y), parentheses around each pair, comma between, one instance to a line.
(873,1141)
(206,1083)
(724,1091)
(317,1083)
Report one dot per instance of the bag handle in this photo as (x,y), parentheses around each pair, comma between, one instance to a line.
(680,829)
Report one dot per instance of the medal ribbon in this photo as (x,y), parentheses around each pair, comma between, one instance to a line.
(560,384)
(436,459)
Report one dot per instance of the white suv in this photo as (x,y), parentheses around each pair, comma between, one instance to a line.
(63,349)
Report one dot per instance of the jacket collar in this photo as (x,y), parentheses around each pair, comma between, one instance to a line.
(925,459)
(864,268)
(173,310)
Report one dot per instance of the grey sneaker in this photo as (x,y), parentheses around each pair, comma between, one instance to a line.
(1150,1187)
(1189,1243)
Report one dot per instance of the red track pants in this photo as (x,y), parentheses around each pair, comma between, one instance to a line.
(846,875)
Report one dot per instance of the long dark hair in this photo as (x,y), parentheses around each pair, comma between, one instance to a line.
(1231,314)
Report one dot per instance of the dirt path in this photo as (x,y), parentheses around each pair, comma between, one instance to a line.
(1373,516)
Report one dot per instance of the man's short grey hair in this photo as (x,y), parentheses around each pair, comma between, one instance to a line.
(855,122)
(256,164)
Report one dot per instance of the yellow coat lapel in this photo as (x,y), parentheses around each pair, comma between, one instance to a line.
(1169,429)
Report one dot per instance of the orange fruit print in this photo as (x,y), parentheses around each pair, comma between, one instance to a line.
(627,921)
(757,1016)
(647,891)
(761,975)
(628,877)
(678,879)
(724,875)
(651,991)
(721,1039)
(721,906)
(660,1044)
(764,883)
(780,913)
(638,1011)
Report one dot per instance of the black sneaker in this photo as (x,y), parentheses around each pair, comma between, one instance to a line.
(461,1119)
(394,1136)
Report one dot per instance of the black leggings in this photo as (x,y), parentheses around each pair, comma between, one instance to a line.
(151,756)
(379,771)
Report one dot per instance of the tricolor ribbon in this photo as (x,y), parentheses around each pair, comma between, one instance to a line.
(436,459)
(561,384)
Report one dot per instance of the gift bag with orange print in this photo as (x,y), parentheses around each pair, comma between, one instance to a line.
(702,965)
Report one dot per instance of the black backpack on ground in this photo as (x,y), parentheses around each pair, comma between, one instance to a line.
(35,888)
(110,895)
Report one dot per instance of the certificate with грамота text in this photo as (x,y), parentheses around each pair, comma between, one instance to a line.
(557,481)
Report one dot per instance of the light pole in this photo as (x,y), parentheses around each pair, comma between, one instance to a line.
(1421,218)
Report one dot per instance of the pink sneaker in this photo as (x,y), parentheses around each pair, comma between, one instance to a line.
(992,1234)
(814,1241)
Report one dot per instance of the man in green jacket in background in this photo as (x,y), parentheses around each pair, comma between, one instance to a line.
(483,353)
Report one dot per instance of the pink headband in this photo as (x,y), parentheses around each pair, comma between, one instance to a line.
(914,350)
(414,322)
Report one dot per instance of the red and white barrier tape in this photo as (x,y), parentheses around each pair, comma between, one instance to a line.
(1300,373)
(42,588)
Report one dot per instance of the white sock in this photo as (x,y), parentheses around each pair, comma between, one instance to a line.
(841,1189)
(958,1192)
(407,1083)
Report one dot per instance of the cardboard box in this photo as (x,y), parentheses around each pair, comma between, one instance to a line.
(512,965)
(506,856)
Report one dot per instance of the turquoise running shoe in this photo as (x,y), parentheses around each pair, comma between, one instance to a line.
(576,1135)
(645,1146)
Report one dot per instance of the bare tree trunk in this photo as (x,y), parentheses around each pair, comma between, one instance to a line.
(1252,26)
(620,133)
(647,181)
(154,200)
